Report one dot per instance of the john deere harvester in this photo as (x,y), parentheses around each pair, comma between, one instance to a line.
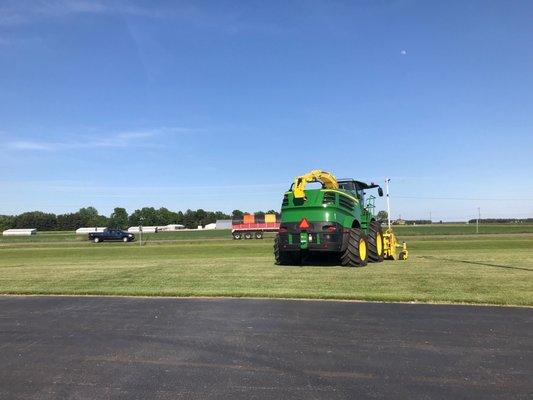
(336,218)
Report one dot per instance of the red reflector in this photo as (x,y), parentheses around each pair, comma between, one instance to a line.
(329,228)
(304,224)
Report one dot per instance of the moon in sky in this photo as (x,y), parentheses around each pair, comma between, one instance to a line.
(403,52)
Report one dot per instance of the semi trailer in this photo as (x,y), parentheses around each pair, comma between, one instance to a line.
(250,227)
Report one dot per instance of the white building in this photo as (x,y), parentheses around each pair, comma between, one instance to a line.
(171,227)
(223,224)
(20,232)
(211,226)
(175,227)
(145,229)
(84,231)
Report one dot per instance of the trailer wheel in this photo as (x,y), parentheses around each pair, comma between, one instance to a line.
(285,257)
(96,240)
(356,253)
(375,242)
(248,235)
(259,235)
(237,235)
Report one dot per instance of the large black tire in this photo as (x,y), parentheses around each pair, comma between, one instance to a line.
(285,257)
(356,253)
(375,242)
(237,235)
(248,235)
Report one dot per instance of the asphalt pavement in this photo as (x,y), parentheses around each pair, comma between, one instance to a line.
(166,348)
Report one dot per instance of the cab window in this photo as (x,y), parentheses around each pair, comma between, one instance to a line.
(347,186)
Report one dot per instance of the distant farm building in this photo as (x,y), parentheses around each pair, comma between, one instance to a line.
(174,227)
(145,229)
(223,224)
(84,231)
(211,226)
(20,232)
(170,228)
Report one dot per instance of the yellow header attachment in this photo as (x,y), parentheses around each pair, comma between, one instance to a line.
(329,181)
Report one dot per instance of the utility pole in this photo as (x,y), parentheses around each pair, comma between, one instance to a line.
(387,180)
(477,220)
(141,231)
(430,220)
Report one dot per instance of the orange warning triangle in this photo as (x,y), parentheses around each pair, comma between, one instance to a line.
(304,224)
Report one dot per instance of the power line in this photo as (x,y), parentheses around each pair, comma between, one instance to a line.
(460,198)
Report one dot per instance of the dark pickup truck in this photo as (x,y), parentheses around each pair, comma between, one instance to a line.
(111,234)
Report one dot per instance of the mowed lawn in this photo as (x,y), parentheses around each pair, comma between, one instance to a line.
(443,267)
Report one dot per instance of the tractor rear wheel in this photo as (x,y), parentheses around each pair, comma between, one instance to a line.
(356,253)
(285,257)
(375,242)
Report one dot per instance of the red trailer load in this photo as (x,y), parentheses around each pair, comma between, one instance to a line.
(251,227)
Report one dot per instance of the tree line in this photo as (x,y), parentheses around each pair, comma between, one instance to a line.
(150,216)
(501,220)
(119,218)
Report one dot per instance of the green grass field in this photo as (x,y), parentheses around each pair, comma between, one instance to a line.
(446,265)
(418,230)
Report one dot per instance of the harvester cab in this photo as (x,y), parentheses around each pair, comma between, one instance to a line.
(334,218)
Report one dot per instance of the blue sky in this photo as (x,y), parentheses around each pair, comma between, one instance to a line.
(219,104)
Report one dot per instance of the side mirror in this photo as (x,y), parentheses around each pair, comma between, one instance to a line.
(380,192)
